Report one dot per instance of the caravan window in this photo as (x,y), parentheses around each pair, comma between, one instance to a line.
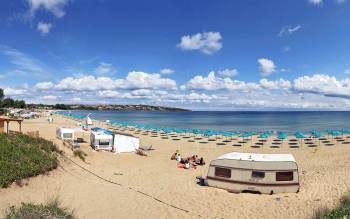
(222,172)
(67,135)
(258,174)
(103,142)
(284,176)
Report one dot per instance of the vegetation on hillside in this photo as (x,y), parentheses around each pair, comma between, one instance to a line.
(22,156)
(51,210)
(341,212)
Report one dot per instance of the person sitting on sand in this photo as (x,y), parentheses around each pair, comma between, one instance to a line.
(173,157)
(178,157)
(200,162)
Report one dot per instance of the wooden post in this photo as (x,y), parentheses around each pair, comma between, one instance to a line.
(7,127)
(2,126)
(20,126)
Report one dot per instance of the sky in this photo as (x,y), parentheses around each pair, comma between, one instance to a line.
(198,54)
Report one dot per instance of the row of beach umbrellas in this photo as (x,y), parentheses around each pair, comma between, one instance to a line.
(210,132)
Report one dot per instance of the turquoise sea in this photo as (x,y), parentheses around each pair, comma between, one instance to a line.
(230,121)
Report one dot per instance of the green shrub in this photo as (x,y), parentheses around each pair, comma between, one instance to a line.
(51,210)
(79,153)
(341,212)
(22,156)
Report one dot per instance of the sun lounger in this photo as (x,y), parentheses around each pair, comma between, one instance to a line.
(146,147)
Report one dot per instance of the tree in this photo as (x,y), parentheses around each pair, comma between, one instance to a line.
(8,102)
(19,104)
(1,94)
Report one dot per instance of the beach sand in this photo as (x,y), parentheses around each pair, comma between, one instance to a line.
(154,187)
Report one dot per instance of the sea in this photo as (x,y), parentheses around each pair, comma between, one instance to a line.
(258,121)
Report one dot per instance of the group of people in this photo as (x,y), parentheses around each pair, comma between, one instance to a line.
(188,162)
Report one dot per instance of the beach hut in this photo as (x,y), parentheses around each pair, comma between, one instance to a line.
(101,139)
(125,143)
(258,173)
(65,133)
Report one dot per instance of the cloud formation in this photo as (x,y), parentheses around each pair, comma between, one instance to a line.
(24,63)
(288,30)
(207,42)
(228,72)
(44,28)
(316,2)
(105,69)
(56,7)
(315,91)
(134,80)
(166,71)
(266,67)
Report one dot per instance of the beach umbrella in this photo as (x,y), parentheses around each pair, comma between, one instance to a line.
(318,135)
(301,136)
(263,136)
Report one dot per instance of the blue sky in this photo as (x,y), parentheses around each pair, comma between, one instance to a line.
(198,54)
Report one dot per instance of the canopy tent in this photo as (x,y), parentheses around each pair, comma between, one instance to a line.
(125,143)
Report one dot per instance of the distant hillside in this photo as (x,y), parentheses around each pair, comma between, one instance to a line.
(109,107)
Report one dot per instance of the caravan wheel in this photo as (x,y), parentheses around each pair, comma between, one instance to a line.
(271,193)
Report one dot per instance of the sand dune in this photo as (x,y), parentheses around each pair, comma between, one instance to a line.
(166,191)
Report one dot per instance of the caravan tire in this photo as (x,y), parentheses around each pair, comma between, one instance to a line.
(271,193)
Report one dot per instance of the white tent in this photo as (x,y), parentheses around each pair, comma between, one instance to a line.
(88,120)
(125,143)
(262,173)
(101,140)
(65,133)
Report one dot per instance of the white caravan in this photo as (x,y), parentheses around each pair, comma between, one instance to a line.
(258,173)
(101,139)
(65,133)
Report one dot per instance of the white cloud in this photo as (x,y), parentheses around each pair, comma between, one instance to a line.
(323,84)
(275,85)
(23,62)
(166,71)
(105,69)
(86,83)
(207,42)
(316,2)
(347,71)
(56,7)
(211,83)
(133,81)
(139,80)
(44,28)
(288,30)
(44,85)
(50,97)
(228,72)
(266,66)
(76,99)
(14,92)
(108,93)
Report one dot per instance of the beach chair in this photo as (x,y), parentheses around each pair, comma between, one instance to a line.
(146,147)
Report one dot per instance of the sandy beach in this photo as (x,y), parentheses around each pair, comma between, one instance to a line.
(154,187)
